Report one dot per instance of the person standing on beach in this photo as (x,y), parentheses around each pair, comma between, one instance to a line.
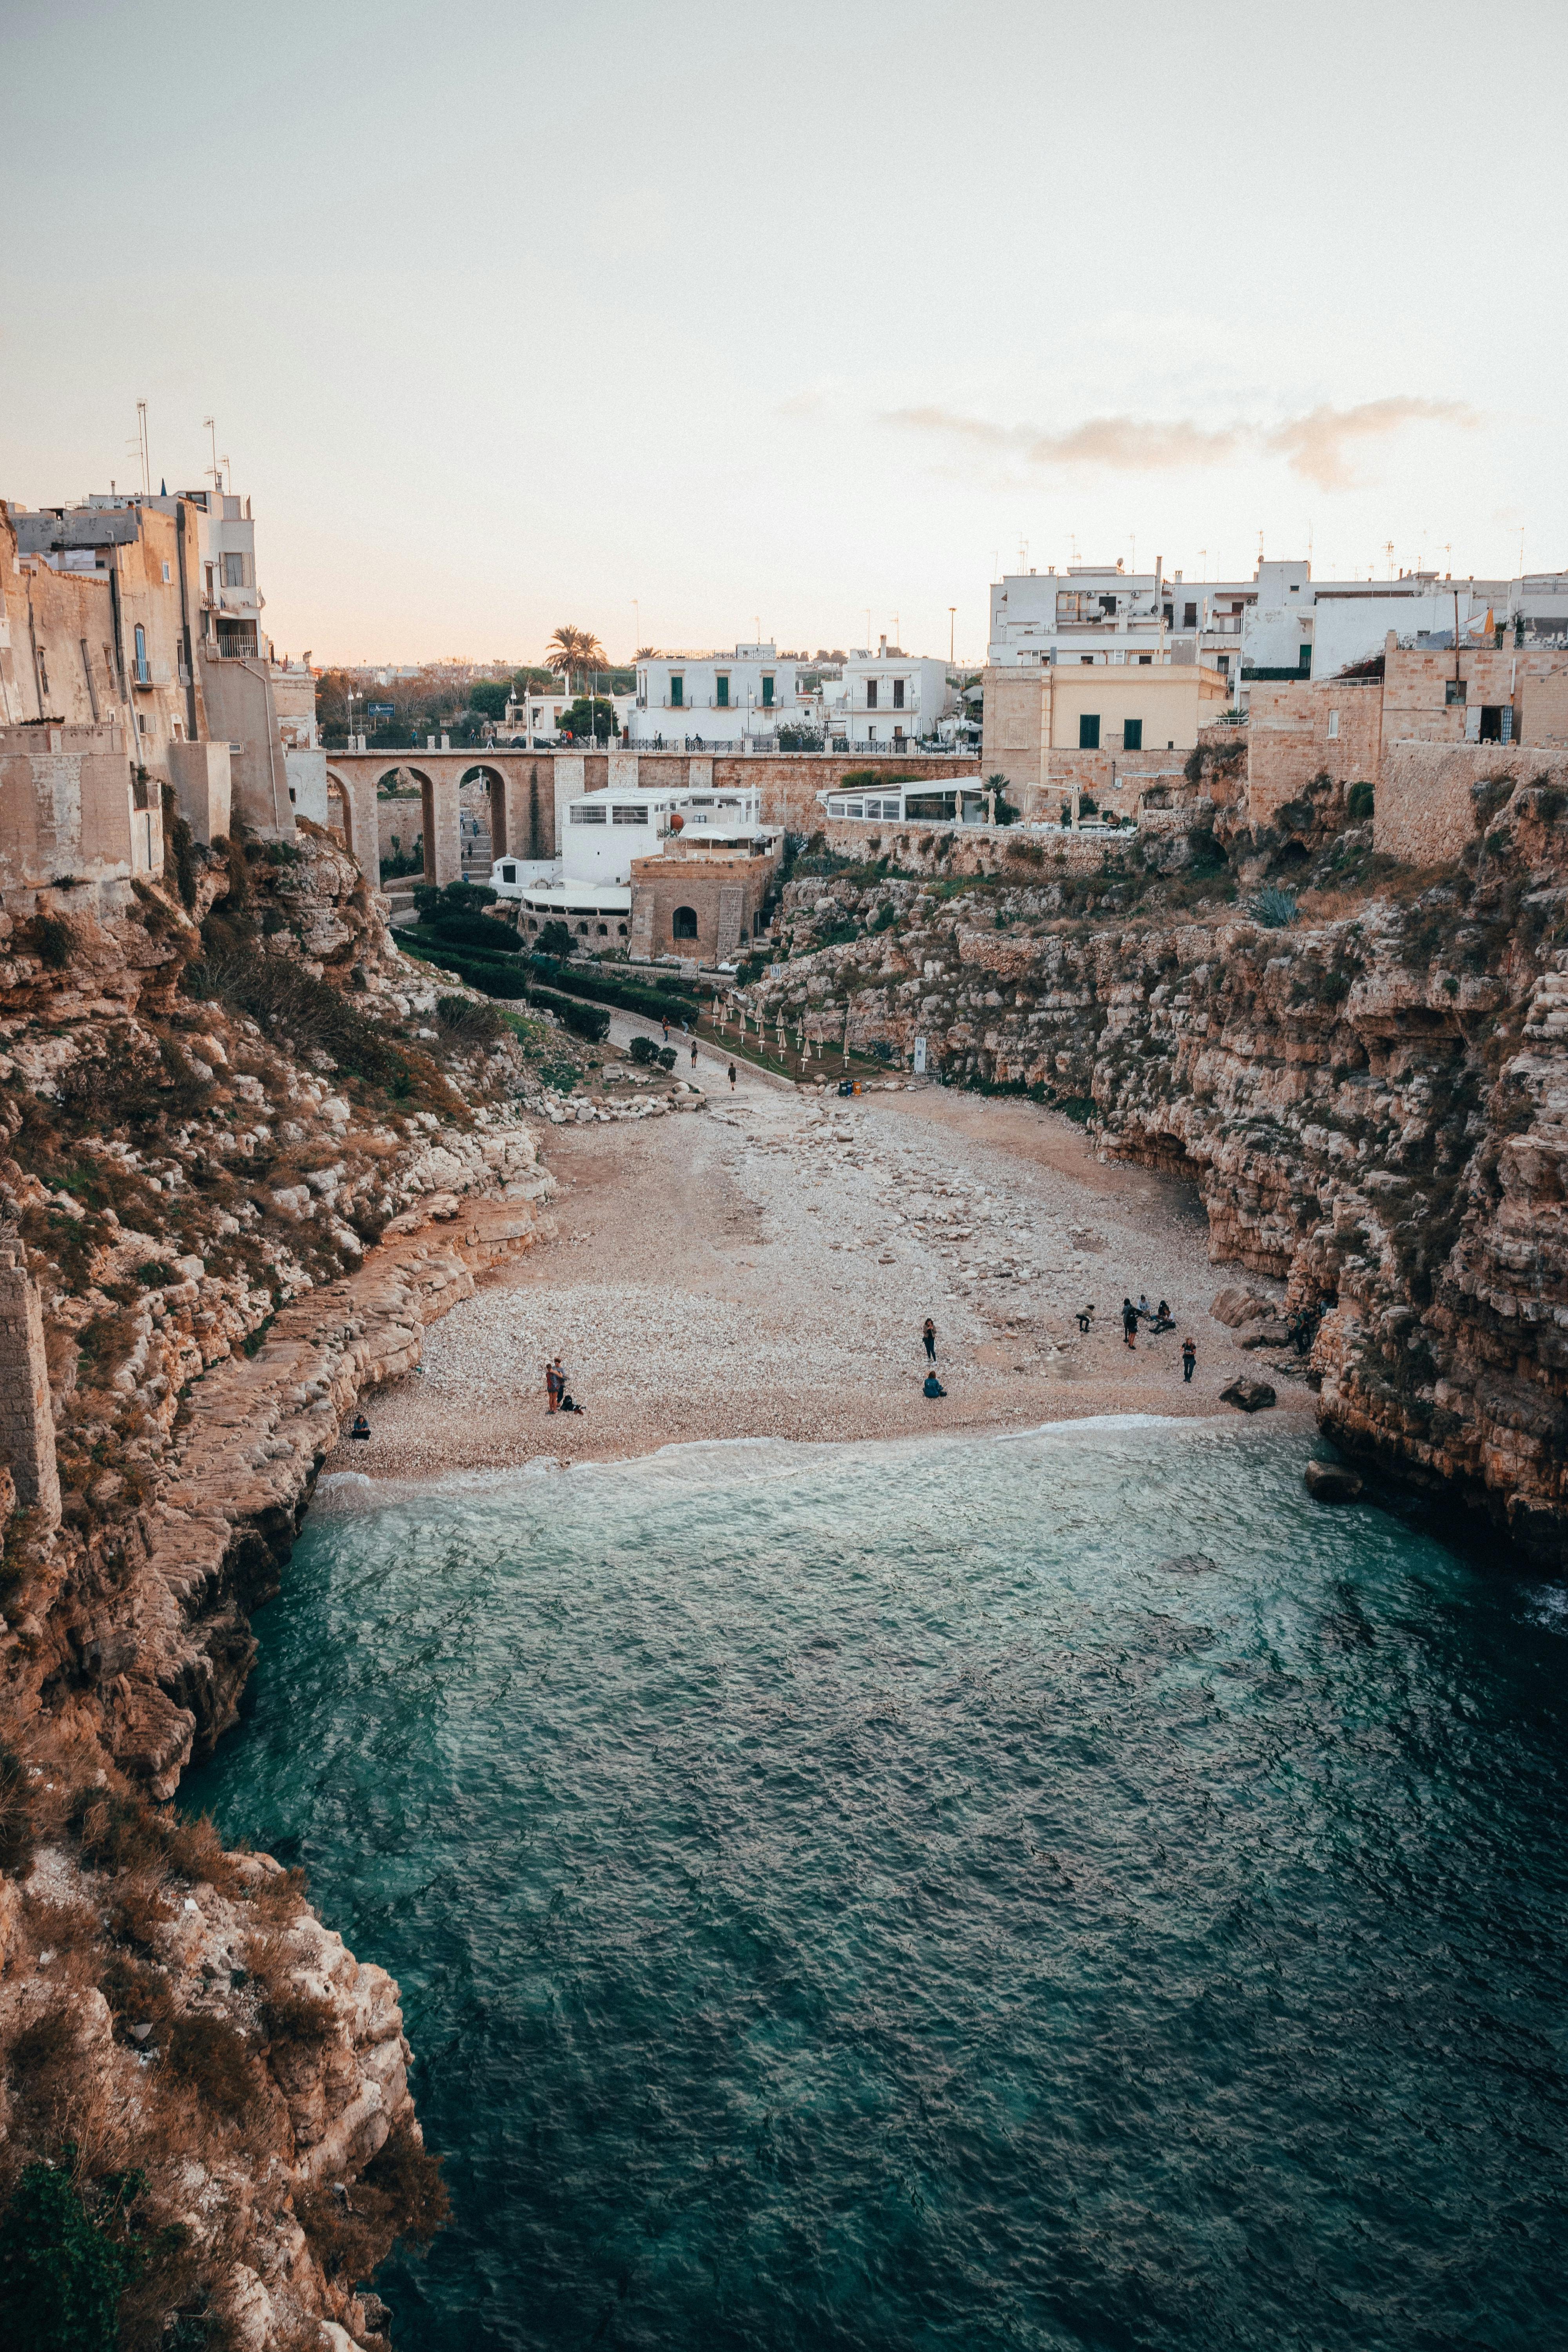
(731,1077)
(1129,1323)
(694,1053)
(552,1383)
(928,1336)
(1189,1359)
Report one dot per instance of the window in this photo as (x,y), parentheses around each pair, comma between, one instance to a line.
(166,575)
(684,926)
(44,676)
(625,813)
(897,694)
(1190,615)
(1493,714)
(767,691)
(722,690)
(1132,735)
(581,815)
(676,693)
(1089,730)
(1145,661)
(1454,690)
(870,694)
(234,571)
(143,675)
(1304,659)
(211,571)
(1334,725)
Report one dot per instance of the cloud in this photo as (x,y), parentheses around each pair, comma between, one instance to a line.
(1318,444)
(1315,446)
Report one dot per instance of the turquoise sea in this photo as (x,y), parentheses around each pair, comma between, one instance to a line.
(1056,1891)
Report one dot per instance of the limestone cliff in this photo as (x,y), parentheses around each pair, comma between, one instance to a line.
(249,1150)
(1367,1081)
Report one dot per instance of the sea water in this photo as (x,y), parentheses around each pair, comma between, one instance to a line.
(1068,1890)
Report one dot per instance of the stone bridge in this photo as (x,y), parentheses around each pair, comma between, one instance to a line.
(529,791)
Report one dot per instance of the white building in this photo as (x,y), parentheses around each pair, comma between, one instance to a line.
(887,698)
(715,697)
(589,885)
(1281,623)
(534,720)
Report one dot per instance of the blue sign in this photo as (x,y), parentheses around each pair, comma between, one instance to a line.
(381,710)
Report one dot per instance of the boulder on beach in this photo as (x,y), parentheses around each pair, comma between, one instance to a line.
(1333,1482)
(1275,1333)
(1238,1305)
(1248,1396)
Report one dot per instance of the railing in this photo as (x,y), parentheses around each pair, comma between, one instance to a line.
(231,648)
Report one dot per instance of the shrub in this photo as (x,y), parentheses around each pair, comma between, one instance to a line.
(470,931)
(1359,802)
(277,991)
(54,940)
(555,939)
(179,847)
(64,2267)
(469,1023)
(16,1837)
(582,1020)
(643,1050)
(209,2055)
(1273,907)
(666,1057)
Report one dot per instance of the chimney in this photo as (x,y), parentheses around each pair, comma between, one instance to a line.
(882,648)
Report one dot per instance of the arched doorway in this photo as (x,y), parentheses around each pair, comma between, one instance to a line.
(340,813)
(684,926)
(490,843)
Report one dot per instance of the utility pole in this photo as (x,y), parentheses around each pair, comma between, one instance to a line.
(952,624)
(142,440)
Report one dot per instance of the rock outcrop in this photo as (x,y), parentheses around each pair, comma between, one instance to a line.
(248,1152)
(1369,1085)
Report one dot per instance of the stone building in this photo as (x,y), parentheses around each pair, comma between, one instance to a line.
(1057,728)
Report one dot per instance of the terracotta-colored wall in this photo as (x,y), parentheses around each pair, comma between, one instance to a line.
(724,892)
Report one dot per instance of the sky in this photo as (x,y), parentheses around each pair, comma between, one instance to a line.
(685,322)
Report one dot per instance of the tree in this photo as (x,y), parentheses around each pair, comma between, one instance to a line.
(646,653)
(555,939)
(489,695)
(585,716)
(571,648)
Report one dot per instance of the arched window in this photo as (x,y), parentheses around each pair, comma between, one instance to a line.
(604,930)
(143,675)
(583,930)
(685,924)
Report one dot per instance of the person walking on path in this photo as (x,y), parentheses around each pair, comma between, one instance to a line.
(694,1053)
(664,1024)
(1129,1323)
(928,1336)
(731,1077)
(1189,1359)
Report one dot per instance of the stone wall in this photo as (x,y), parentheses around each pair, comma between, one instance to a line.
(725,894)
(1425,811)
(27,1417)
(1298,732)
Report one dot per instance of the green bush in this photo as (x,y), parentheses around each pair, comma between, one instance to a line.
(665,1057)
(643,1050)
(661,1004)
(1273,907)
(555,939)
(496,975)
(472,932)
(63,2268)
(583,1020)
(1359,802)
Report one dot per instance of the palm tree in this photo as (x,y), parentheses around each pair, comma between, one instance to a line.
(571,649)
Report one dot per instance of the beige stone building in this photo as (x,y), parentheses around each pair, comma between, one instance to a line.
(1095,727)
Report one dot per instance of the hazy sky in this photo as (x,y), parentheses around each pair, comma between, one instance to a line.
(679,320)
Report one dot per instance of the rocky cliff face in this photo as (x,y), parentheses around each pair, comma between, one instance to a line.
(249,1150)
(1369,1094)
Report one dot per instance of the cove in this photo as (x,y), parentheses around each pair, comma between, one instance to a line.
(1061,1891)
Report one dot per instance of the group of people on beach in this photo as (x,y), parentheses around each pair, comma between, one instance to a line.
(558,1397)
(1159,1319)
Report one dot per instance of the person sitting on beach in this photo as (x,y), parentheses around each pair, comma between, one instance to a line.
(1085,1315)
(1164,1321)
(361,1426)
(1129,1323)
(1144,1309)
(933,1387)
(569,1403)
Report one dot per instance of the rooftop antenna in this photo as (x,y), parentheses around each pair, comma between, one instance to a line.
(141,441)
(898,635)
(951,624)
(212,469)
(1260,547)
(1388,551)
(1072,543)
(1521,551)
(227,464)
